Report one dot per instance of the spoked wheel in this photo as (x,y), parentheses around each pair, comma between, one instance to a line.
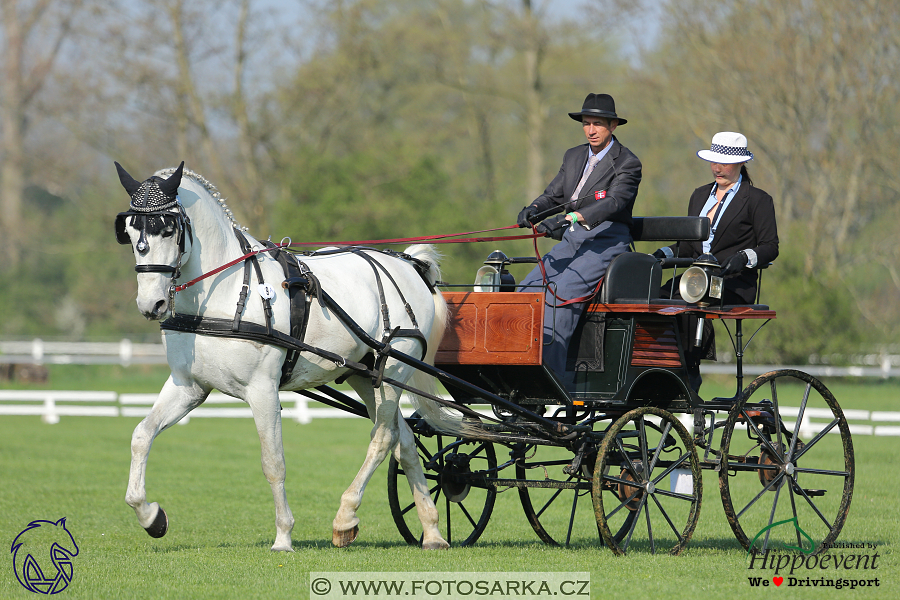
(647,481)
(552,506)
(560,513)
(456,471)
(789,476)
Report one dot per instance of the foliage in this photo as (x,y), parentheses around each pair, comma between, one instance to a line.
(815,314)
(364,119)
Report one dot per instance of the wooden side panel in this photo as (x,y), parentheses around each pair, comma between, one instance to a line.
(493,328)
(655,346)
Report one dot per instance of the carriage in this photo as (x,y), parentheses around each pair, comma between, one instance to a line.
(640,436)
(613,456)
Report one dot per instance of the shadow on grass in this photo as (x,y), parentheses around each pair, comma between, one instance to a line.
(721,544)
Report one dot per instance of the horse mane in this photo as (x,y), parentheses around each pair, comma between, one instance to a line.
(209,187)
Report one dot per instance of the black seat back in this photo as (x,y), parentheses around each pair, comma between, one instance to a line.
(670,229)
(633,277)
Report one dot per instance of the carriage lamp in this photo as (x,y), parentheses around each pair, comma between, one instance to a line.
(699,285)
(493,276)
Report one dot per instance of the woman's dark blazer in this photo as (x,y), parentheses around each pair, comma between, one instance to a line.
(747,223)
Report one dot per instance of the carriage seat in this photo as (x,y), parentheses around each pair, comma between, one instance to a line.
(632,278)
(635,277)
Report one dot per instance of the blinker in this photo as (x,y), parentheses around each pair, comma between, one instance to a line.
(121,232)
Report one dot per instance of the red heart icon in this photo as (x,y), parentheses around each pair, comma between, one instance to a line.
(778,580)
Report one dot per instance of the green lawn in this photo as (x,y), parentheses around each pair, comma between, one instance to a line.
(207,476)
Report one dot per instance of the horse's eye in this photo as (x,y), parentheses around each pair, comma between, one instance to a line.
(168,232)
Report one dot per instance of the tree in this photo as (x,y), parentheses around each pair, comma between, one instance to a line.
(32,35)
(811,84)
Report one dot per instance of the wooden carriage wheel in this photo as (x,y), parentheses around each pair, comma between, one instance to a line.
(456,471)
(647,475)
(560,513)
(789,464)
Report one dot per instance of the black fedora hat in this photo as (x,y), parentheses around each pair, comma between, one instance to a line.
(598,105)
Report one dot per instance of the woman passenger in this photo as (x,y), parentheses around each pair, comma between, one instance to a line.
(743,234)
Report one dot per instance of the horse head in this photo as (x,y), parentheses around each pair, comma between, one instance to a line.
(155,226)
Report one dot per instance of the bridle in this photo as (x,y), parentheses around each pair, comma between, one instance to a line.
(182,227)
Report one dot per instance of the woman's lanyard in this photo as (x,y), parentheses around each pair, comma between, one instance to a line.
(720,209)
(718,215)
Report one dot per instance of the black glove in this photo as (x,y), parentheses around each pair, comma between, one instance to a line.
(554,227)
(527,217)
(735,264)
(659,254)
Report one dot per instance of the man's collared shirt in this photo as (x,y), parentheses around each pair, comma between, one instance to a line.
(599,155)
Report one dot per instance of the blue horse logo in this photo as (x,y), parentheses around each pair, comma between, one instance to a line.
(31,549)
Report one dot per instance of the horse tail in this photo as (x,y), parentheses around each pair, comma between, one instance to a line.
(442,419)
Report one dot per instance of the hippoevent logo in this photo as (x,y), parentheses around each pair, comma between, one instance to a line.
(805,548)
(42,556)
(798,566)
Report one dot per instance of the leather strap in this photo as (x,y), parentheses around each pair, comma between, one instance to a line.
(254,332)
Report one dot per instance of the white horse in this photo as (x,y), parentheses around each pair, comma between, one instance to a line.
(192,234)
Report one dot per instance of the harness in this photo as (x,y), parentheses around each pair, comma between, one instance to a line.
(301,285)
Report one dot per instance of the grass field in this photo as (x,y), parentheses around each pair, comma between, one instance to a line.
(207,476)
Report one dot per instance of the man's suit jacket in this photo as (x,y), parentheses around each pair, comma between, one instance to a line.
(616,177)
(747,223)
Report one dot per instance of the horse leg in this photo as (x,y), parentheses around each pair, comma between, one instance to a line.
(408,457)
(268,425)
(387,433)
(345,527)
(173,403)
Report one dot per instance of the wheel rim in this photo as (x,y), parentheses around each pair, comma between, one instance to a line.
(653,437)
(559,515)
(454,470)
(778,492)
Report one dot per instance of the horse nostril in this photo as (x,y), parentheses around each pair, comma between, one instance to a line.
(157,309)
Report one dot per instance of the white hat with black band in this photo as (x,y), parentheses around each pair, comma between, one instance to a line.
(727,148)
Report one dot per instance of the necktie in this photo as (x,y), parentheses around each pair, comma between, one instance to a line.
(592,162)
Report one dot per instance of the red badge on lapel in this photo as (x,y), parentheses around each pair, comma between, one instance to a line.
(600,195)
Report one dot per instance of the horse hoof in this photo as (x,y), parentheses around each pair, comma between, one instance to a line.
(342,539)
(441,545)
(159,526)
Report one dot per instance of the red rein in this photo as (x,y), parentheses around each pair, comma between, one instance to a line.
(436,239)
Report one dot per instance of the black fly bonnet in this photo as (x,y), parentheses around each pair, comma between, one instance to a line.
(154,207)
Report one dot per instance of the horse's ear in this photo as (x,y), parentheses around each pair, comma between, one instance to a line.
(169,187)
(128,182)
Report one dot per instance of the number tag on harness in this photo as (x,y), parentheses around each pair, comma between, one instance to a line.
(266,291)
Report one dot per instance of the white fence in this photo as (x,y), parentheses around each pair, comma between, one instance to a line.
(51,405)
(39,352)
(126,353)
